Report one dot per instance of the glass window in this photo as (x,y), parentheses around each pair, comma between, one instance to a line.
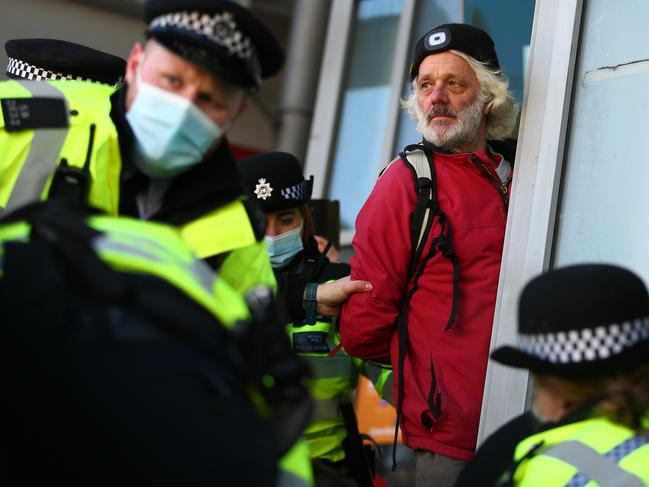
(510,26)
(364,105)
(606,174)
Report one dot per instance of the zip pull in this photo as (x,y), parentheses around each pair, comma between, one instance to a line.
(495,180)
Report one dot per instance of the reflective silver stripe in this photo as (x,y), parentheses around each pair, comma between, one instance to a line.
(43,154)
(599,468)
(288,479)
(198,269)
(340,365)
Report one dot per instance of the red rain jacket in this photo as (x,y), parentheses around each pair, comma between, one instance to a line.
(444,370)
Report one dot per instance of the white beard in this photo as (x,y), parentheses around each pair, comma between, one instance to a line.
(464,132)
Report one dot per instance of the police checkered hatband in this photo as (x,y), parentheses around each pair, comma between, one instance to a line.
(24,70)
(220,29)
(295,192)
(587,345)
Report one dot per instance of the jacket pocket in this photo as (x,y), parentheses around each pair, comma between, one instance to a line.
(433,415)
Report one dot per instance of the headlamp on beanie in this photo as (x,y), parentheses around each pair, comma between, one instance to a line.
(458,37)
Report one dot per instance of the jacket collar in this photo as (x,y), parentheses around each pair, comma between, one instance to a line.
(505,148)
(502,152)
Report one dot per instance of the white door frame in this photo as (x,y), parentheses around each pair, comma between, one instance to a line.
(537,175)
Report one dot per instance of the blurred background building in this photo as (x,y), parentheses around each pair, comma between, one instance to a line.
(579,68)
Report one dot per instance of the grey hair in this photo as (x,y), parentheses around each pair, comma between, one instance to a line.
(494,86)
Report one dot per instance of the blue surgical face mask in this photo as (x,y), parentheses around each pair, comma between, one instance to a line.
(283,247)
(172,134)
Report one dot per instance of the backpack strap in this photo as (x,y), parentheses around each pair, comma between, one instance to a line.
(426,189)
(421,165)
(422,168)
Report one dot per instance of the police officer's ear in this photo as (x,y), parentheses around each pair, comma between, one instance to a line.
(133,63)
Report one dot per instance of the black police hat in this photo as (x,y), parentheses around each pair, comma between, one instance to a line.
(581,320)
(459,37)
(275,180)
(53,59)
(218,35)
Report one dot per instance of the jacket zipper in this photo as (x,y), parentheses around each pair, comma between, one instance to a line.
(434,402)
(495,181)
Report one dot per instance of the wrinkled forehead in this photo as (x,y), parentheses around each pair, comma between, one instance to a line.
(443,64)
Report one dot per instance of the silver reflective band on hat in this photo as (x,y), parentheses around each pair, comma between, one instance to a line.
(24,70)
(295,192)
(587,345)
(219,28)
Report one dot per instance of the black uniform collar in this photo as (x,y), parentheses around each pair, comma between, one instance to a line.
(212,183)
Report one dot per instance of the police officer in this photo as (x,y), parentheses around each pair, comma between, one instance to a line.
(54,59)
(276,182)
(120,358)
(584,335)
(155,148)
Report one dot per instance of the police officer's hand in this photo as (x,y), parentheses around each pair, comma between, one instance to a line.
(332,295)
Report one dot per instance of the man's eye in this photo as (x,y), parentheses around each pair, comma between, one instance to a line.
(211,102)
(171,80)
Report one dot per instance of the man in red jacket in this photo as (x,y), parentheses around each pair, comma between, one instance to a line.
(461,102)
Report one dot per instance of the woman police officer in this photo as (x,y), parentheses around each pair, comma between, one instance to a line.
(276,182)
(584,335)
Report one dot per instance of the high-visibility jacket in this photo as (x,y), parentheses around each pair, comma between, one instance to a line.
(335,373)
(149,248)
(335,376)
(77,128)
(592,452)
(228,231)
